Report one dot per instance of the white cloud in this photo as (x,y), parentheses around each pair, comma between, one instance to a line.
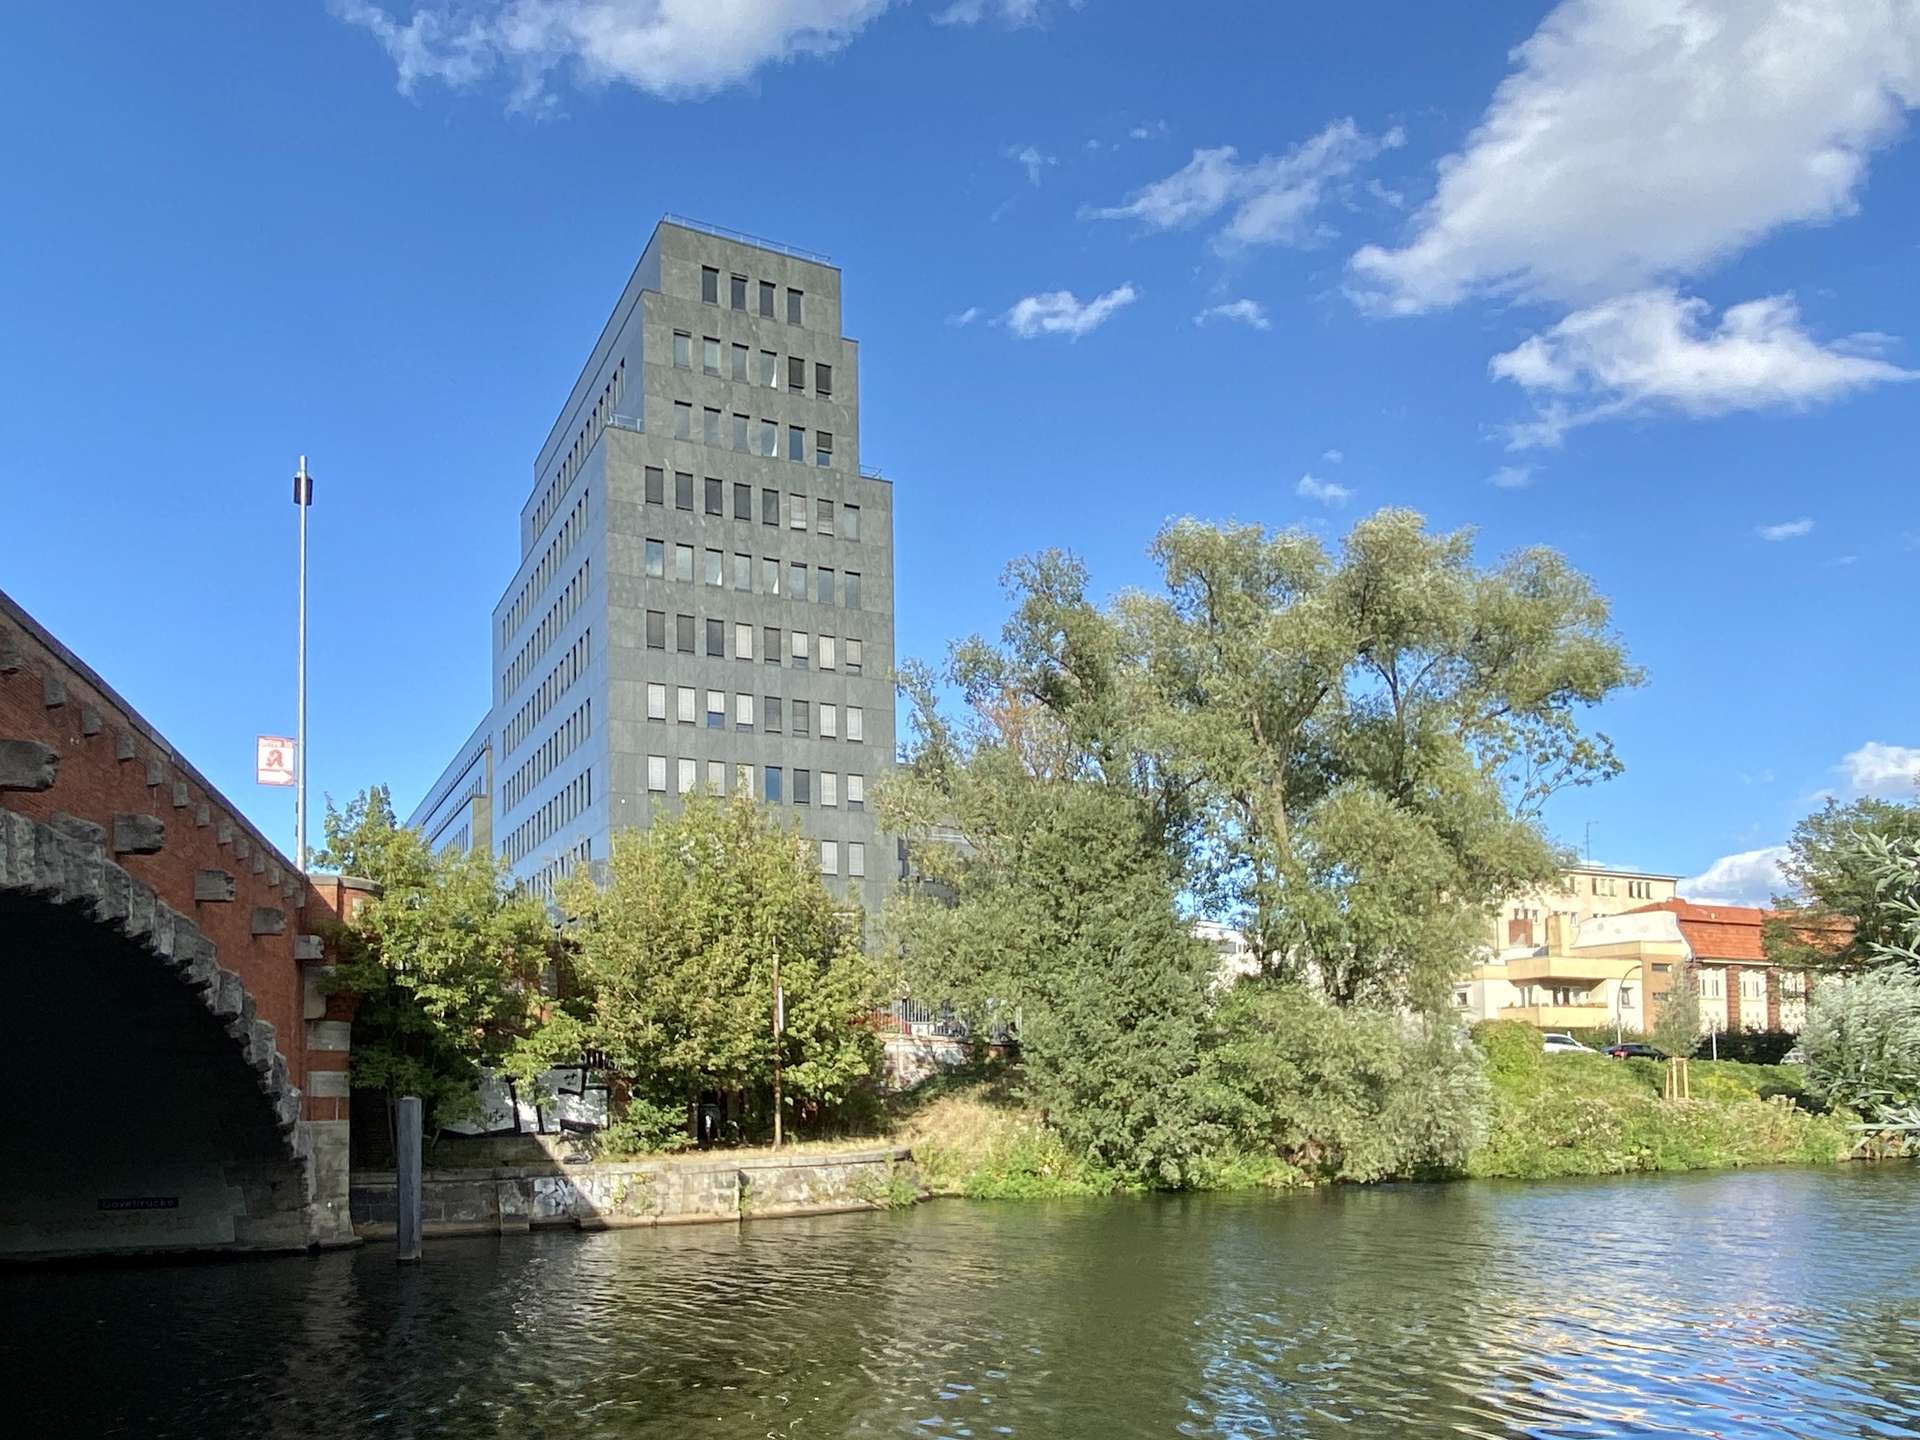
(1511,477)
(1030,158)
(1011,13)
(1785,530)
(965,317)
(1272,199)
(1889,771)
(1247,312)
(1751,877)
(1333,457)
(1324,492)
(1060,312)
(1653,351)
(1640,140)
(667,48)
(1148,131)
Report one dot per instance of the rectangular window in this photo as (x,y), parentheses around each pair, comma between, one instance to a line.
(769,507)
(802,718)
(742,640)
(740,433)
(689,776)
(656,701)
(709,285)
(683,490)
(850,521)
(829,790)
(856,725)
(740,357)
(743,712)
(822,448)
(826,652)
(823,585)
(796,375)
(769,440)
(853,590)
(774,779)
(769,575)
(717,639)
(683,634)
(823,516)
(710,355)
(797,649)
(656,629)
(797,443)
(796,580)
(737,291)
(743,780)
(656,553)
(656,485)
(829,721)
(715,563)
(742,501)
(657,774)
(770,644)
(829,857)
(766,298)
(686,705)
(769,373)
(856,792)
(716,710)
(770,714)
(683,563)
(796,512)
(710,433)
(856,859)
(802,786)
(682,350)
(742,571)
(856,654)
(793,307)
(682,420)
(822,379)
(716,777)
(716,490)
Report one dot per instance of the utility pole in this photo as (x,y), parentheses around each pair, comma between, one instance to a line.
(303,498)
(779,1024)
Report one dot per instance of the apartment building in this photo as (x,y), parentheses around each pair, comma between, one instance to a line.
(704,600)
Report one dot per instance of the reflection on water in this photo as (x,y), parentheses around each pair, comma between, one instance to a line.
(1763,1304)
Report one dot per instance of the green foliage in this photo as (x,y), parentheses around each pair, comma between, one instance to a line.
(1863,1040)
(672,961)
(1755,1047)
(1854,874)
(1345,1093)
(445,962)
(1676,1029)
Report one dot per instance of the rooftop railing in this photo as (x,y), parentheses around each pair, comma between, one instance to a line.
(723,233)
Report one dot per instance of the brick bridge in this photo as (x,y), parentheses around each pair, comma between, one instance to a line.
(178,1072)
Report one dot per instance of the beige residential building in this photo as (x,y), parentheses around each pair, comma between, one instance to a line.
(1584,891)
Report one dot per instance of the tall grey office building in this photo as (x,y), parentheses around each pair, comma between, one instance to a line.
(705,593)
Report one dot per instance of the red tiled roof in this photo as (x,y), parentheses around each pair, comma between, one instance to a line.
(1724,932)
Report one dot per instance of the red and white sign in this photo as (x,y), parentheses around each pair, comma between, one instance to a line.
(273,761)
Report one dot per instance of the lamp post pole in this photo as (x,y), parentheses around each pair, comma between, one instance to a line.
(1639,966)
(303,498)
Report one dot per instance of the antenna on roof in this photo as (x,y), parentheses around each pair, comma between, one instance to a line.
(1589,842)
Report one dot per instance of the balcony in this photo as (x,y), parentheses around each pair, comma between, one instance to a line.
(1568,969)
(1559,1017)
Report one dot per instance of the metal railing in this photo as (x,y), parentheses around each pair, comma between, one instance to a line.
(629,422)
(722,232)
(872,472)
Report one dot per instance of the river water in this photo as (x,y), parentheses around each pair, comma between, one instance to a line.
(1767,1303)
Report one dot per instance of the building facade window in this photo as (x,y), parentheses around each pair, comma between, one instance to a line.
(716,710)
(822,379)
(657,774)
(769,507)
(796,580)
(688,775)
(710,354)
(853,590)
(656,629)
(687,705)
(715,565)
(769,444)
(803,787)
(737,291)
(850,521)
(798,648)
(682,350)
(742,640)
(766,298)
(796,374)
(709,285)
(770,714)
(682,420)
(683,634)
(742,501)
(795,303)
(770,644)
(656,701)
(829,857)
(829,721)
(827,652)
(769,370)
(741,359)
(796,443)
(683,563)
(856,859)
(743,712)
(710,433)
(823,585)
(822,449)
(856,792)
(656,559)
(856,725)
(716,639)
(773,780)
(742,571)
(683,490)
(656,485)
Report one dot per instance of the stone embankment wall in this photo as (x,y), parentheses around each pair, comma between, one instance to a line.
(516,1198)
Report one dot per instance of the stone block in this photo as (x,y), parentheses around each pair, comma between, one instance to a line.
(202,813)
(330,1035)
(34,859)
(110,906)
(11,656)
(138,834)
(81,864)
(28,765)
(269,921)
(156,772)
(223,998)
(328,1084)
(242,847)
(53,690)
(215,885)
(92,722)
(258,863)
(179,794)
(226,832)
(85,831)
(139,909)
(16,843)
(308,947)
(123,746)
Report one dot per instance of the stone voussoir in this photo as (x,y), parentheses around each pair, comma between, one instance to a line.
(138,834)
(215,886)
(28,765)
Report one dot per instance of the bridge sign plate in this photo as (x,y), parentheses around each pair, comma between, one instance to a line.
(273,760)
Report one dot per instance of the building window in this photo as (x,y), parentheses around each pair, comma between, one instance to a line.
(769,507)
(769,373)
(829,721)
(801,714)
(683,563)
(710,432)
(769,575)
(853,590)
(823,585)
(717,639)
(823,516)
(829,790)
(773,780)
(742,502)
(682,420)
(856,725)
(856,792)
(766,298)
(770,644)
(850,521)
(683,634)
(741,357)
(710,355)
(796,512)
(822,448)
(657,705)
(686,705)
(829,857)
(802,786)
(793,307)
(856,859)
(742,640)
(656,629)
(688,777)
(743,780)
(737,291)
(656,485)
(715,561)
(683,490)
(716,777)
(656,554)
(716,710)
(769,440)
(742,571)
(796,580)
(826,652)
(856,653)
(743,712)
(716,490)
(797,649)
(657,774)
(740,433)
(682,350)
(796,375)
(822,379)
(770,714)
(796,443)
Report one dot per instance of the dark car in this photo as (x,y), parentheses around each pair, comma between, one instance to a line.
(1634,1050)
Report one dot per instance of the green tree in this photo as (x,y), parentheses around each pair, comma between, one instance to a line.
(444,962)
(1846,905)
(1862,1040)
(673,955)
(1676,1029)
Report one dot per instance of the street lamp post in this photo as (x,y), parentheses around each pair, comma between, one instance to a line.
(1619,988)
(302,498)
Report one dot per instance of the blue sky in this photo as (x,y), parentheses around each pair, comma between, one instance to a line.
(1632,278)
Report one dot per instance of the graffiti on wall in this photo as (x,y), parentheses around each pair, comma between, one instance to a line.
(571,1099)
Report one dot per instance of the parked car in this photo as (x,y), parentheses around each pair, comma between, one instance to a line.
(1634,1050)
(1555,1043)
(1796,1056)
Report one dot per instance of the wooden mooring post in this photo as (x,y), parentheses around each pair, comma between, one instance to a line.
(406,1178)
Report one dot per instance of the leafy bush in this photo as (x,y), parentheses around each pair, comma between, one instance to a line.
(1755,1047)
(1863,1040)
